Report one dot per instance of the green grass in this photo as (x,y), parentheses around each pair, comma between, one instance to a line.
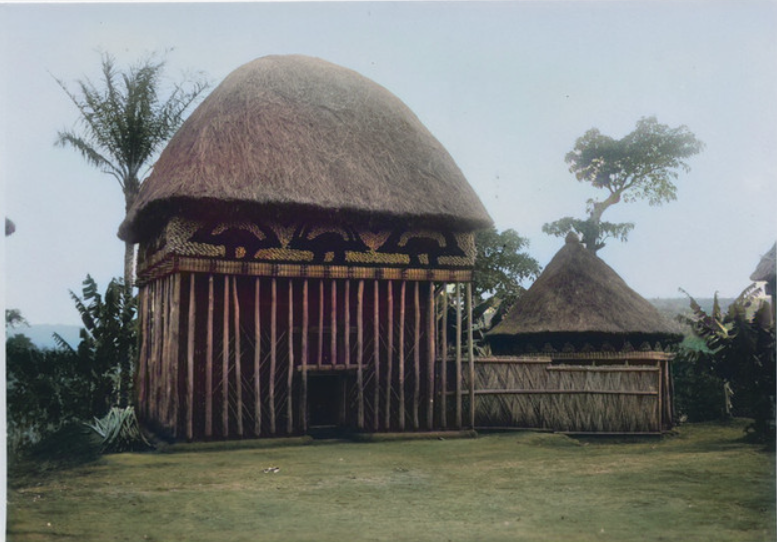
(705,484)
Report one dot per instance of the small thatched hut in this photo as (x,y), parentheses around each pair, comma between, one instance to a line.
(766,272)
(588,350)
(296,237)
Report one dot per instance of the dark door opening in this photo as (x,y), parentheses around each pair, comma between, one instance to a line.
(326,404)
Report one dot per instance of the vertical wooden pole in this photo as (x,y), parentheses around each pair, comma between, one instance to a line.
(175,336)
(161,367)
(209,364)
(257,357)
(376,353)
(273,346)
(305,323)
(347,323)
(142,359)
(660,397)
(402,290)
(390,349)
(470,358)
(360,352)
(333,326)
(416,353)
(238,361)
(156,377)
(458,357)
(225,364)
(290,373)
(190,359)
(430,355)
(320,360)
(444,358)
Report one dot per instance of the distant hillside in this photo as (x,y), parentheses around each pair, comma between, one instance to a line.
(41,334)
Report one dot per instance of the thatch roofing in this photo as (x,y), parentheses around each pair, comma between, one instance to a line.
(301,134)
(766,267)
(578,293)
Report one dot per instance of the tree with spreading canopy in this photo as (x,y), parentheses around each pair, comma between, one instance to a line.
(125,122)
(640,166)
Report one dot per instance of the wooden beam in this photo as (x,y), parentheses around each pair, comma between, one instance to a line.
(333,325)
(458,357)
(444,358)
(225,364)
(390,348)
(191,330)
(402,290)
(257,357)
(175,349)
(416,353)
(238,361)
(376,354)
(273,347)
(143,358)
(470,357)
(347,323)
(360,353)
(290,373)
(305,324)
(430,355)
(209,364)
(320,359)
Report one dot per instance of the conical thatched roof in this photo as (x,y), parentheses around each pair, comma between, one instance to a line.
(766,267)
(301,134)
(578,293)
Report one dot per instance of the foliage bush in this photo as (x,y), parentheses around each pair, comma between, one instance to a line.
(50,388)
(739,350)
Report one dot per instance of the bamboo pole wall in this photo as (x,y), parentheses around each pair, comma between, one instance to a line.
(225,356)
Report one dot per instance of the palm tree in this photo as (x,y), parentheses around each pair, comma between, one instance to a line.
(125,123)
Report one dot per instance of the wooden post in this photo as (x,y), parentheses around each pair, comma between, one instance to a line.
(458,357)
(320,360)
(143,358)
(390,349)
(444,359)
(190,360)
(273,346)
(305,323)
(470,358)
(257,358)
(238,361)
(175,336)
(416,353)
(155,377)
(161,358)
(402,355)
(225,364)
(209,364)
(430,355)
(347,323)
(360,352)
(333,325)
(290,374)
(376,354)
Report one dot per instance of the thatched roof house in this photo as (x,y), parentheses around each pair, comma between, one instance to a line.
(301,135)
(767,271)
(295,236)
(579,303)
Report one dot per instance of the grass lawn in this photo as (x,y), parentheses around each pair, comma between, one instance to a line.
(704,483)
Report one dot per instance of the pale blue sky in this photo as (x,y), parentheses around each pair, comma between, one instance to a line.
(507,87)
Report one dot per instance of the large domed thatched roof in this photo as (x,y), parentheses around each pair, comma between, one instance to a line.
(579,294)
(300,134)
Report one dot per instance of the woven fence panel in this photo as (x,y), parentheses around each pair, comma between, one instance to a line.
(572,398)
